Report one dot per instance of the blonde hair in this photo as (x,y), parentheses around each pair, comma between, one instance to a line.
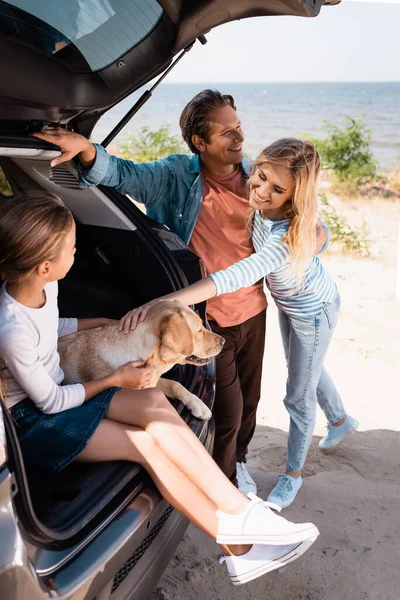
(32,230)
(302,160)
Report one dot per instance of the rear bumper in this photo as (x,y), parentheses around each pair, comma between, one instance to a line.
(142,578)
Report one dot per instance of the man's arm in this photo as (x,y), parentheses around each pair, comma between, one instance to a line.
(241,274)
(71,144)
(145,182)
(323,236)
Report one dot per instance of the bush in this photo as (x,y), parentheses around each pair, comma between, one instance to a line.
(347,152)
(150,145)
(354,240)
(394,182)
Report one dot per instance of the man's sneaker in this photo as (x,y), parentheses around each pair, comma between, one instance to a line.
(246,483)
(261,560)
(285,490)
(337,434)
(258,524)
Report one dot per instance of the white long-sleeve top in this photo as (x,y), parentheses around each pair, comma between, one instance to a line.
(29,359)
(272,260)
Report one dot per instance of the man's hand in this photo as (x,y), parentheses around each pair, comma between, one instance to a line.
(133,317)
(71,144)
(134,375)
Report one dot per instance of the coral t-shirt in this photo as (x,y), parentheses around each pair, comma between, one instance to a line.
(221,238)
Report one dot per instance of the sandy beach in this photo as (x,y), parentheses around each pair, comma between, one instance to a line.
(353,492)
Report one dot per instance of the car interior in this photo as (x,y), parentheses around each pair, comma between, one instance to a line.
(118,265)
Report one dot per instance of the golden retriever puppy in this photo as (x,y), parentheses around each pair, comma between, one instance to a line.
(171,334)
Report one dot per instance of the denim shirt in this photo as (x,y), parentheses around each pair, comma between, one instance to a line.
(170,188)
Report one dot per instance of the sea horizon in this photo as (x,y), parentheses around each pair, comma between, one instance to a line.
(270,110)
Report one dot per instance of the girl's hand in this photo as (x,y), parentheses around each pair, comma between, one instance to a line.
(133,317)
(133,375)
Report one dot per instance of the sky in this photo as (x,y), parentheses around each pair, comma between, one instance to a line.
(357,40)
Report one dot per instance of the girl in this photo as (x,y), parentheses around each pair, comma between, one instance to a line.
(282,218)
(112,418)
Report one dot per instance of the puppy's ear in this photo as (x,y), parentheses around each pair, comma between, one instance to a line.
(176,337)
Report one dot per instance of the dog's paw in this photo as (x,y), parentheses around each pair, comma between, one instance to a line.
(199,409)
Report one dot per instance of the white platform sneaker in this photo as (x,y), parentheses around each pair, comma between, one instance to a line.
(258,524)
(262,559)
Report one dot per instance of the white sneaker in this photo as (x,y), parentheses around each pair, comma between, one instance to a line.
(258,524)
(261,560)
(246,483)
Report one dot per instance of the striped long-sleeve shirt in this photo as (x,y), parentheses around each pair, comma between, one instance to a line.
(272,260)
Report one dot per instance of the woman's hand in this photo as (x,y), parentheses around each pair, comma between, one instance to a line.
(134,375)
(70,144)
(133,317)
(193,294)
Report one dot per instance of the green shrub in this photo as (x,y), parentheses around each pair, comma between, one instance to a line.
(355,240)
(347,152)
(150,145)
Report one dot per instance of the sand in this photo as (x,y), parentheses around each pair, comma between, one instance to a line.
(353,492)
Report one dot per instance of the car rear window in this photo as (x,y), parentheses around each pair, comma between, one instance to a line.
(100,31)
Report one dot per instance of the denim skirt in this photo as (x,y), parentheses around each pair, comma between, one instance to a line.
(54,441)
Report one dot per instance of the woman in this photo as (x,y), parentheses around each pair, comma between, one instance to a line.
(282,219)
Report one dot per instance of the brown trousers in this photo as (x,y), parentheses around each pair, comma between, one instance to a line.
(238,388)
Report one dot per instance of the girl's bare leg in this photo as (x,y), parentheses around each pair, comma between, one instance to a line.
(115,441)
(150,410)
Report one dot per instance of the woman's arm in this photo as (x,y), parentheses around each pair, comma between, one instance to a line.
(193,294)
(146,182)
(242,274)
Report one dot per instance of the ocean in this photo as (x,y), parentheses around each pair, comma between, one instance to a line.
(269,111)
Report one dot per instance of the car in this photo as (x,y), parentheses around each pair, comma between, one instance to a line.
(96,531)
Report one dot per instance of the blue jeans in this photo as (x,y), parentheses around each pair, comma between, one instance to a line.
(305,342)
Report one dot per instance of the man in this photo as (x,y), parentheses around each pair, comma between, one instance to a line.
(203,199)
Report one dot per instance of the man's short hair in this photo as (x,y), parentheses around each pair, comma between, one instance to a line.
(195,120)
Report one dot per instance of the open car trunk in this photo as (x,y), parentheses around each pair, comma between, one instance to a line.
(115,269)
(77,59)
